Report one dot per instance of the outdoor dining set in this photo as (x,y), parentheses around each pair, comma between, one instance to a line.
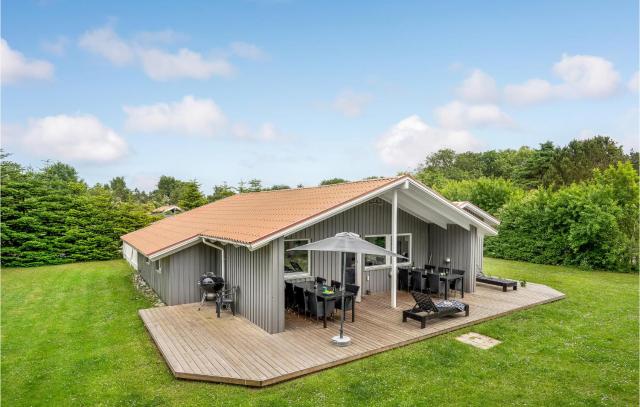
(318,299)
(431,280)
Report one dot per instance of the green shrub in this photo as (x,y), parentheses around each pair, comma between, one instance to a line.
(592,224)
(490,194)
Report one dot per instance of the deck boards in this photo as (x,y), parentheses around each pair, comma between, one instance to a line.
(196,345)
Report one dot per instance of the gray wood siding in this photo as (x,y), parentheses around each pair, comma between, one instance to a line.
(159,282)
(460,246)
(259,276)
(186,267)
(370,218)
(177,283)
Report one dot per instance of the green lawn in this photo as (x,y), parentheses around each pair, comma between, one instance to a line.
(71,336)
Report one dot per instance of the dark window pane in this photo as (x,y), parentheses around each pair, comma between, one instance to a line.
(296,261)
(374,260)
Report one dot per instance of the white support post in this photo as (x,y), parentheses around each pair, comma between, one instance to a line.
(394,248)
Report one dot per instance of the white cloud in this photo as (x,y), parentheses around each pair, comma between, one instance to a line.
(75,138)
(56,47)
(478,88)
(530,92)
(164,37)
(458,115)
(158,64)
(634,82)
(586,76)
(266,132)
(189,116)
(583,77)
(16,67)
(105,42)
(406,144)
(162,66)
(247,51)
(350,103)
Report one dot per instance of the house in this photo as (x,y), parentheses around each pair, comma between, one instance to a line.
(167,210)
(244,238)
(478,213)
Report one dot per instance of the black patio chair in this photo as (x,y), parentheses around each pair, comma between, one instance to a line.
(429,268)
(316,308)
(289,296)
(348,301)
(321,280)
(456,284)
(336,284)
(426,309)
(403,278)
(434,285)
(416,280)
(226,299)
(300,300)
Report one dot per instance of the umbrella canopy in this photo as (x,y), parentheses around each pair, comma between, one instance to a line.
(346,242)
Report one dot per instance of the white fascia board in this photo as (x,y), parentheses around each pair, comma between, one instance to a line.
(186,244)
(341,208)
(438,208)
(488,230)
(417,205)
(411,207)
(480,212)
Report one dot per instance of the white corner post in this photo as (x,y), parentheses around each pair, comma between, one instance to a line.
(394,248)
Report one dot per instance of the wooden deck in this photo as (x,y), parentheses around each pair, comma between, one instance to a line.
(198,346)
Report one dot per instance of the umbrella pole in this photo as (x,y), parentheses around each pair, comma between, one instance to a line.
(344,265)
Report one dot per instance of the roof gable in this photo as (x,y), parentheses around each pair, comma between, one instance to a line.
(254,219)
(249,217)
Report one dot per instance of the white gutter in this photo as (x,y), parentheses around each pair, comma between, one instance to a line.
(204,240)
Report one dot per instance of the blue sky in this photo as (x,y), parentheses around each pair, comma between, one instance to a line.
(295,91)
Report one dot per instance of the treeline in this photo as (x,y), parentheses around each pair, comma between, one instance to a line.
(50,216)
(571,205)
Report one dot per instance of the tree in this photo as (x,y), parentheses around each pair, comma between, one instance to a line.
(190,196)
(220,192)
(277,187)
(255,185)
(332,181)
(168,190)
(50,216)
(118,187)
(490,194)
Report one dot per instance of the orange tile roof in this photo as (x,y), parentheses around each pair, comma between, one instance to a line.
(249,217)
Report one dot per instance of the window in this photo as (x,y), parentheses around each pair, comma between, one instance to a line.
(384,241)
(296,261)
(157,266)
(371,260)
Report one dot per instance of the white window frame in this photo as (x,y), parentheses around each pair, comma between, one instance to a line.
(157,266)
(387,243)
(297,274)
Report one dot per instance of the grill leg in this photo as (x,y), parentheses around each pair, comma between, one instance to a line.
(204,297)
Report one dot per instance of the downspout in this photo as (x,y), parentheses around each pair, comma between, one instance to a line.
(204,240)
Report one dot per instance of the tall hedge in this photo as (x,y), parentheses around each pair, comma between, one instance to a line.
(592,224)
(49,216)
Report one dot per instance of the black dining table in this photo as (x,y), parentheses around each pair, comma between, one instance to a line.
(308,286)
(447,278)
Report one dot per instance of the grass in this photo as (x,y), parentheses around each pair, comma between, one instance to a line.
(71,336)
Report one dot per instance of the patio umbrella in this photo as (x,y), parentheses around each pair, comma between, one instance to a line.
(345,242)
